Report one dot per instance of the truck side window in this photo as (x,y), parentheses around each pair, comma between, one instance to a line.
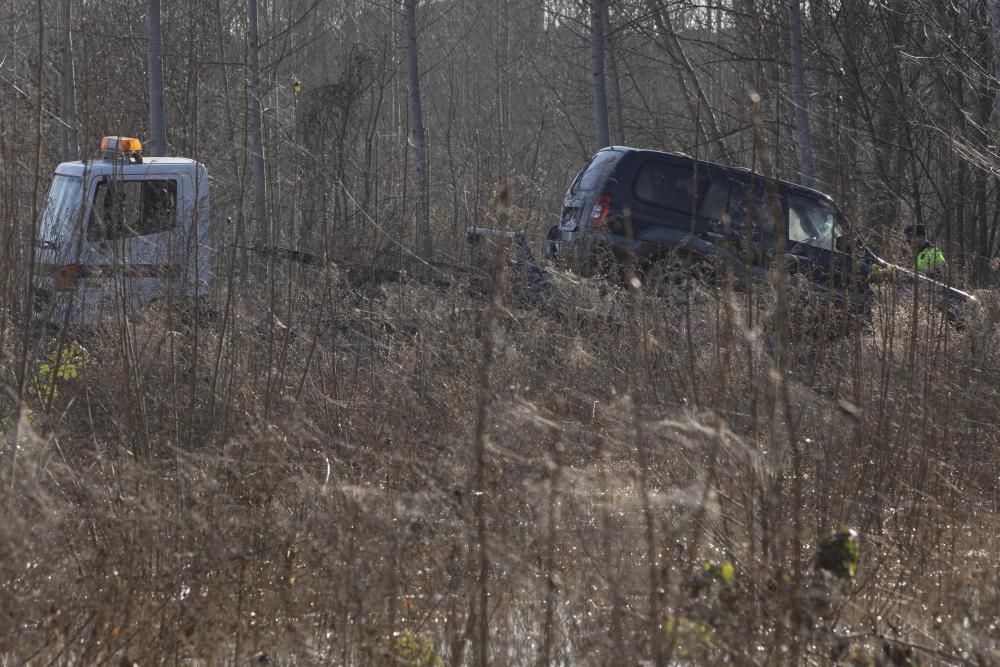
(124,209)
(670,186)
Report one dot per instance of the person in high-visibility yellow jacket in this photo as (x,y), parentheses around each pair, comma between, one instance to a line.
(927,258)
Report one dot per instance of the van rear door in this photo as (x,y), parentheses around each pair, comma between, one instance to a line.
(593,180)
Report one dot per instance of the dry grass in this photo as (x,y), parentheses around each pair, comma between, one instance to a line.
(295,481)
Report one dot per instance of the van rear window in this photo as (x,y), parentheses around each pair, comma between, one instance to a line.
(669,185)
(597,172)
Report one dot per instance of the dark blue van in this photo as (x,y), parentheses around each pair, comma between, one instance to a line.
(663,210)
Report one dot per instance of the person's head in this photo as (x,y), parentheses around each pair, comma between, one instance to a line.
(915,233)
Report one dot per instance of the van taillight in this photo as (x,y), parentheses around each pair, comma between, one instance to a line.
(65,277)
(602,207)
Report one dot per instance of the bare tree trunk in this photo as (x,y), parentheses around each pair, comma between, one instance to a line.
(983,250)
(616,87)
(799,98)
(417,132)
(597,46)
(698,103)
(154,63)
(36,202)
(503,90)
(227,103)
(70,132)
(256,127)
(995,14)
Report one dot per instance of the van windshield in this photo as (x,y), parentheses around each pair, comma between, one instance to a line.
(61,208)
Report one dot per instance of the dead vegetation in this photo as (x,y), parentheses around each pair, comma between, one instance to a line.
(295,481)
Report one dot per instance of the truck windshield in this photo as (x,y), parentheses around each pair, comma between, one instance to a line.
(61,208)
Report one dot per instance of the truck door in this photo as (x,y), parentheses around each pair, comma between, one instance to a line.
(130,257)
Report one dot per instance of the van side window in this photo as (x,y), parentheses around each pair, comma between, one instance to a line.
(725,195)
(716,200)
(772,211)
(669,185)
(752,207)
(124,209)
(811,222)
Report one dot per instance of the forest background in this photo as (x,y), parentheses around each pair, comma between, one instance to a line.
(390,459)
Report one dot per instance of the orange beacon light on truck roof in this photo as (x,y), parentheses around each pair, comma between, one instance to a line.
(121,145)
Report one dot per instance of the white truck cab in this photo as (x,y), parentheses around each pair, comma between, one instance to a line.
(119,232)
